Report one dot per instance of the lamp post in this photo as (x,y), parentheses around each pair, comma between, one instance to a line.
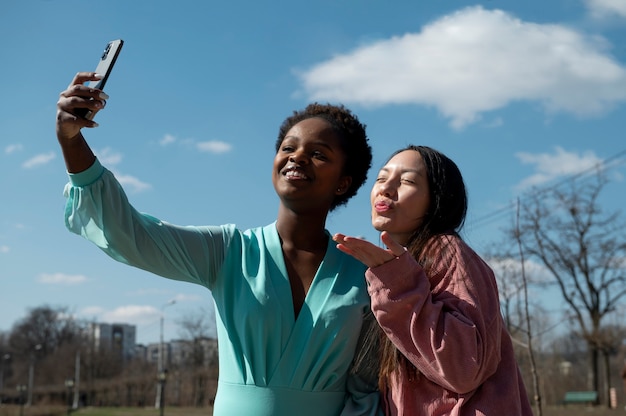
(5,357)
(21,389)
(76,381)
(69,384)
(160,367)
(162,378)
(31,373)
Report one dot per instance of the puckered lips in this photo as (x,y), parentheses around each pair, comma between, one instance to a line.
(294,173)
(382,205)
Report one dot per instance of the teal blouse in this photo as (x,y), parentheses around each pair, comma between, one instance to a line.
(271,364)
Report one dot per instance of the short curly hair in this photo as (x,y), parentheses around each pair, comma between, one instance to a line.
(353,142)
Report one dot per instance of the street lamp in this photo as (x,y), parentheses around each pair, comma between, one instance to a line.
(31,373)
(160,367)
(69,384)
(162,378)
(21,389)
(76,381)
(5,357)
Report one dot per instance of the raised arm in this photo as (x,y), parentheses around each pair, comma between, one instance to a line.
(446,324)
(76,152)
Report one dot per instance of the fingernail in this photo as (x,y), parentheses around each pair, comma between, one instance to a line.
(103,96)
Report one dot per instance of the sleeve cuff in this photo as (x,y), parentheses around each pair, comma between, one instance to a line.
(88,176)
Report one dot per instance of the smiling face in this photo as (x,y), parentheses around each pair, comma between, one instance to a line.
(400,197)
(308,166)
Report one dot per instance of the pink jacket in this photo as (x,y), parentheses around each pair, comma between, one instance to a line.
(451,328)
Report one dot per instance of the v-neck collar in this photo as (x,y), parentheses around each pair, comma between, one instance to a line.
(320,286)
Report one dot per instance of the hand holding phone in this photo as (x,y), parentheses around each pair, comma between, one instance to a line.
(104,68)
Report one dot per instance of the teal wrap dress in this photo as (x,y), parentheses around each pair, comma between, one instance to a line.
(271,363)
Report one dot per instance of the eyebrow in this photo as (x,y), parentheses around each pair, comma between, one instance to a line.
(407,170)
(322,143)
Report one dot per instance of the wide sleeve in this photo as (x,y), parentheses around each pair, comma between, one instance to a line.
(363,397)
(98,209)
(450,331)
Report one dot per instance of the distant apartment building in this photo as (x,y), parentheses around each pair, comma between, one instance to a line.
(201,352)
(121,340)
(151,354)
(118,338)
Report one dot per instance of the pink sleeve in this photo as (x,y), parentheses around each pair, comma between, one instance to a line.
(448,326)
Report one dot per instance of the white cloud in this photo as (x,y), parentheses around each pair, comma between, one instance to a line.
(108,157)
(512,269)
(131,314)
(12,148)
(61,279)
(185,297)
(551,166)
(210,146)
(4,249)
(600,9)
(179,298)
(167,139)
(214,146)
(38,160)
(474,61)
(510,264)
(139,315)
(132,183)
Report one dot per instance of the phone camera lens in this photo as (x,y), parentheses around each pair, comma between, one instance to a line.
(106,51)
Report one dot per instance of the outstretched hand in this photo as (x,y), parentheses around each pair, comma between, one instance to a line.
(78,96)
(368,253)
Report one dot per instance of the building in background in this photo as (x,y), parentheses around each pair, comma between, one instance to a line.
(151,354)
(120,339)
(199,352)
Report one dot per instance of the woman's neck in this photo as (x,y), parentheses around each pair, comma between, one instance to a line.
(306,232)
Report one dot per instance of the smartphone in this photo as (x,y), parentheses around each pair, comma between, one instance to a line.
(104,68)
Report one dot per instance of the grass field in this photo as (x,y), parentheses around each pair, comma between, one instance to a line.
(192,411)
(582,411)
(103,411)
(170,411)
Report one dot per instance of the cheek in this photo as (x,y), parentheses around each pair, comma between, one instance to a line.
(278,163)
(276,166)
(419,206)
(373,194)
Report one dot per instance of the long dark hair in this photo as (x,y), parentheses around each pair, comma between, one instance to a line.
(445,215)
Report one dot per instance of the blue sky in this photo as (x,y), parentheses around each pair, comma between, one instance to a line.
(519,94)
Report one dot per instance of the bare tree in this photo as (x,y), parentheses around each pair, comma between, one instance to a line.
(46,326)
(514,280)
(199,324)
(529,333)
(201,362)
(39,344)
(611,338)
(510,288)
(584,250)
(510,269)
